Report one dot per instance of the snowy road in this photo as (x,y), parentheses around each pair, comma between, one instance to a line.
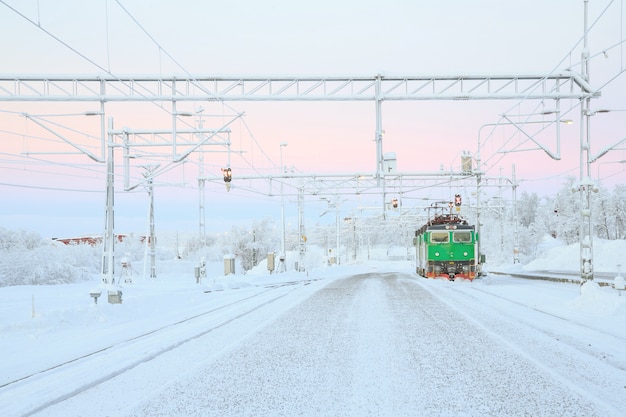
(379,344)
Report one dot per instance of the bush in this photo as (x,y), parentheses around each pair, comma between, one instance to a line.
(27,259)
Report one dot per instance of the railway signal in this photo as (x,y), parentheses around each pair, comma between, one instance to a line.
(457,202)
(228,176)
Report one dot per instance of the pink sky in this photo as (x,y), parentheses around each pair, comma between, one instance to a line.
(357,38)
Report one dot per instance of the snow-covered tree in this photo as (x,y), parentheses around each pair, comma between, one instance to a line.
(26,259)
(565,223)
(618,203)
(527,206)
(603,215)
(251,245)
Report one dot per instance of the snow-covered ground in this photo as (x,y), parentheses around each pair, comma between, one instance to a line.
(140,357)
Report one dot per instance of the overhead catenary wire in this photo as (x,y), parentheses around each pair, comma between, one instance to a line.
(198,85)
(170,56)
(498,157)
(108,69)
(94,63)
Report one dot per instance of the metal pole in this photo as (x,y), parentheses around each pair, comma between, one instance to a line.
(354,240)
(201,212)
(201,184)
(102,120)
(379,131)
(126,158)
(585,186)
(337,230)
(478,188)
(515,220)
(152,233)
(174,114)
(108,251)
(302,236)
(282,205)
(501,213)
(282,258)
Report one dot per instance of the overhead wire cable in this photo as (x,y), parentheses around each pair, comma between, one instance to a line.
(77,52)
(556,67)
(170,56)
(56,38)
(38,187)
(82,55)
(195,81)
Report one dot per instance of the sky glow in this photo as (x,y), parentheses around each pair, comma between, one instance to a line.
(277,38)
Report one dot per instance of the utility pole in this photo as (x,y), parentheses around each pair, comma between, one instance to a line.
(201,184)
(108,243)
(282,258)
(149,175)
(337,231)
(515,221)
(380,172)
(201,213)
(586,185)
(302,236)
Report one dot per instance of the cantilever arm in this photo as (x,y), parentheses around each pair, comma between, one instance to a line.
(606,150)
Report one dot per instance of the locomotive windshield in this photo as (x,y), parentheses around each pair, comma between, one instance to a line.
(462,237)
(439,237)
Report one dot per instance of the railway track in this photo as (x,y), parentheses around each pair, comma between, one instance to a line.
(547,313)
(38,390)
(576,350)
(554,276)
(482,302)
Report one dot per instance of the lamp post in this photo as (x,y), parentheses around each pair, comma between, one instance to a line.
(479,171)
(283,255)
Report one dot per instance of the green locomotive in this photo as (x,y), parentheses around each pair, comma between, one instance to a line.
(447,247)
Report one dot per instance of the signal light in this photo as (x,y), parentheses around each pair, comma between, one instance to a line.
(394,203)
(457,200)
(228,174)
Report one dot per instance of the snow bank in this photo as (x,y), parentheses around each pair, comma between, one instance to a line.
(599,301)
(558,257)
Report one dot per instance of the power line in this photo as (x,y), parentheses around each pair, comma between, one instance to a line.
(50,188)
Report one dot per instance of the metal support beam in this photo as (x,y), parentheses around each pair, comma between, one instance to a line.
(96,88)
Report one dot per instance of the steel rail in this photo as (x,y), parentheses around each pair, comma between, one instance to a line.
(63,393)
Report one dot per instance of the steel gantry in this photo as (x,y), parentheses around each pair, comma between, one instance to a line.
(123,88)
(167,91)
(376,88)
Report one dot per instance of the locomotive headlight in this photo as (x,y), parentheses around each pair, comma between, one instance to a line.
(436,253)
(464,253)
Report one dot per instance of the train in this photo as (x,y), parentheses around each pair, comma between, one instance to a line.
(447,247)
